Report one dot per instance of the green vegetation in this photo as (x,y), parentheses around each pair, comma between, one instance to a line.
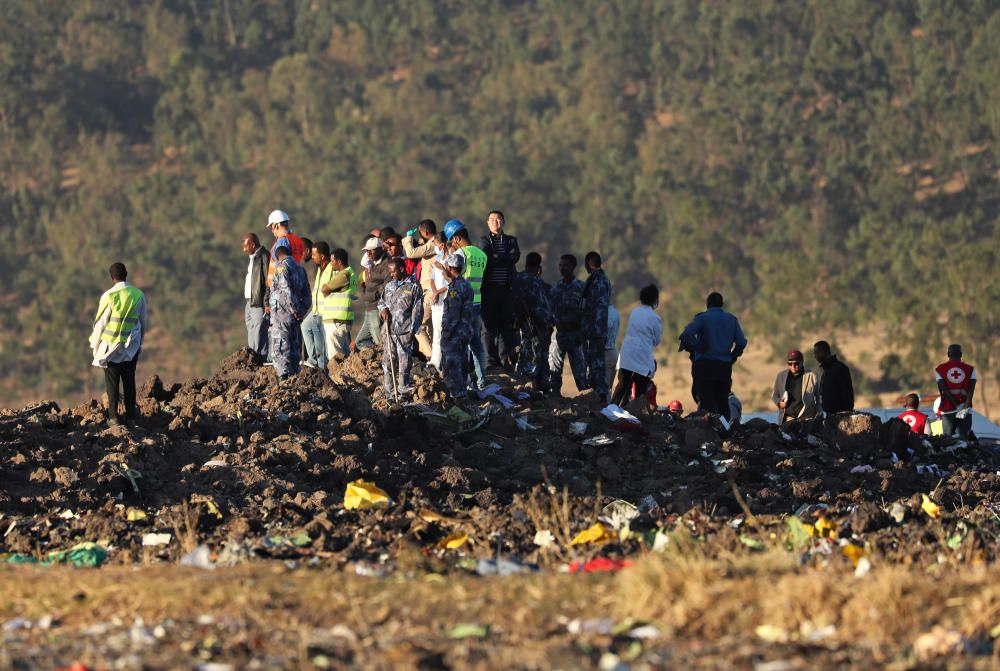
(825,165)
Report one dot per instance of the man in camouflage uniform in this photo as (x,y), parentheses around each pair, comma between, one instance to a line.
(533,311)
(456,328)
(567,311)
(290,301)
(596,297)
(402,308)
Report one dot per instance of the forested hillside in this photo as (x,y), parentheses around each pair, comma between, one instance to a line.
(823,164)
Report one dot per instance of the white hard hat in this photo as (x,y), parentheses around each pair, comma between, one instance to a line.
(277,217)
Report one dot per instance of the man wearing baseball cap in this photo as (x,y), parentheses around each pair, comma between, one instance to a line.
(795,391)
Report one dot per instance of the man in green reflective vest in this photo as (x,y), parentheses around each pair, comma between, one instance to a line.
(339,288)
(475,268)
(313,333)
(116,340)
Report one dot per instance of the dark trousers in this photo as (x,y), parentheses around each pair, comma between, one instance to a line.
(952,425)
(623,390)
(713,381)
(123,372)
(498,324)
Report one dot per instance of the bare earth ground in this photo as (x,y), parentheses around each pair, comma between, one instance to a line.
(841,542)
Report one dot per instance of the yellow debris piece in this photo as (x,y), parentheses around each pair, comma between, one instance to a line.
(134,514)
(454,540)
(854,553)
(362,495)
(822,529)
(210,505)
(929,507)
(596,534)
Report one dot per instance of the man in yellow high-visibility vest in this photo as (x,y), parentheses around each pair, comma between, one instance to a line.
(116,340)
(339,290)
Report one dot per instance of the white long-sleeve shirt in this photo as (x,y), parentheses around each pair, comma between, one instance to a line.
(642,335)
(105,352)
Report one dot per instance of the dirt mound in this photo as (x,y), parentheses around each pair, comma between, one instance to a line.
(252,466)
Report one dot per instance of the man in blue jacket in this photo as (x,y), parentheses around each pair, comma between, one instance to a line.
(715,340)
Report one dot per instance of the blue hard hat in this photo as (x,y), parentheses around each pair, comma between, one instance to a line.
(453,226)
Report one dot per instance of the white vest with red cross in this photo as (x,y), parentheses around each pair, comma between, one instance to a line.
(957,376)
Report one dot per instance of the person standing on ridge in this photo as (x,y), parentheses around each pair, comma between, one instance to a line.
(596,298)
(637,361)
(437,288)
(281,228)
(457,319)
(338,296)
(533,307)
(502,254)
(715,341)
(402,309)
(836,389)
(568,314)
(373,278)
(290,301)
(313,334)
(420,245)
(475,268)
(255,291)
(116,340)
(956,381)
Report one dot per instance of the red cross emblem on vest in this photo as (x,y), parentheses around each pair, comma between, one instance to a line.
(956,375)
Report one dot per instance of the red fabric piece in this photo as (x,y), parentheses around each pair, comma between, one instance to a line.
(599,565)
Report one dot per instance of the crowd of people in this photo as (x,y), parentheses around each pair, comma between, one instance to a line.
(464,308)
(467,310)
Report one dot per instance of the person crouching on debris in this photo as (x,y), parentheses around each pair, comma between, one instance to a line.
(402,309)
(290,301)
(636,363)
(116,340)
(916,420)
(457,326)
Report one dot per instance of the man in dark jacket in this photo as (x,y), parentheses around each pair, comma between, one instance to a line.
(836,390)
(256,293)
(715,340)
(502,254)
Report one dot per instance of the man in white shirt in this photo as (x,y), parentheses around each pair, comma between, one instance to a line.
(116,340)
